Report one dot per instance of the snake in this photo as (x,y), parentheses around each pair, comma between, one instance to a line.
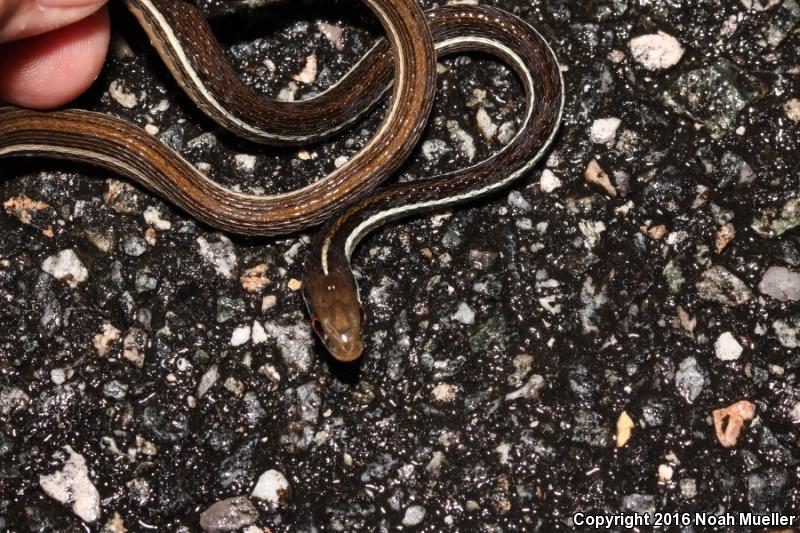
(404,61)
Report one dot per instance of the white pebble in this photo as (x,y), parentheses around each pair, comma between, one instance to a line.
(414,516)
(604,130)
(58,376)
(122,95)
(67,267)
(71,485)
(245,162)
(656,51)
(240,335)
(485,124)
(272,487)
(549,181)
(727,348)
(464,314)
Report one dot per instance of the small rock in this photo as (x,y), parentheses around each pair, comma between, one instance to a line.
(689,379)
(727,348)
(464,139)
(414,516)
(120,94)
(604,130)
(272,487)
(207,381)
(548,181)
(133,346)
(444,392)
(792,109)
(153,217)
(240,335)
(774,224)
(12,399)
(221,254)
(464,314)
(67,267)
(728,421)
(713,96)
(625,426)
(781,283)
(487,128)
(309,73)
(788,332)
(71,486)
(719,285)
(255,279)
(228,515)
(597,176)
(23,208)
(104,341)
(656,51)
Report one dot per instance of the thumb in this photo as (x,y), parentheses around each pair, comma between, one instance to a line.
(20,19)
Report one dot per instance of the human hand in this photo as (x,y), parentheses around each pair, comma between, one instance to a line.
(50,50)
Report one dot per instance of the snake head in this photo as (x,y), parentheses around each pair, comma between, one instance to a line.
(336,314)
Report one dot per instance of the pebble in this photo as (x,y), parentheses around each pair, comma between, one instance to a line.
(255,279)
(133,346)
(625,426)
(548,181)
(781,283)
(727,348)
(221,254)
(272,487)
(208,380)
(58,376)
(245,162)
(12,399)
(689,379)
(464,314)
(414,516)
(434,149)
(788,332)
(719,285)
(656,51)
(604,130)
(228,515)
(120,94)
(530,390)
(595,175)
(792,109)
(134,246)
(728,422)
(153,217)
(444,392)
(240,335)
(309,73)
(71,486)
(66,266)
(103,342)
(464,139)
(487,128)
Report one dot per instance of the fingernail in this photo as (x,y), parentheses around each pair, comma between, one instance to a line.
(68,3)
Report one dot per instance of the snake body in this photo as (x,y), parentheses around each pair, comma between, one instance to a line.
(404,60)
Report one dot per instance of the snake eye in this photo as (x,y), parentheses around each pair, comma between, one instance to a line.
(317,327)
(363,316)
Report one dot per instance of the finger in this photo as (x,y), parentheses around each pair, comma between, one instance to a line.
(20,19)
(54,68)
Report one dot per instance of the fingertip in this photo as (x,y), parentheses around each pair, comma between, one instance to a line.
(54,68)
